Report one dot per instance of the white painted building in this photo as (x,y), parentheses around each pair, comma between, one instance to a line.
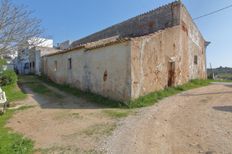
(10,59)
(23,64)
(35,55)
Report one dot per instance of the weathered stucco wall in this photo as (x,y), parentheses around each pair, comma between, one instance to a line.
(150,56)
(35,55)
(123,71)
(193,44)
(105,70)
(166,58)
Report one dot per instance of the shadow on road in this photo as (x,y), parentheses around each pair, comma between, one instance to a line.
(64,101)
(223,108)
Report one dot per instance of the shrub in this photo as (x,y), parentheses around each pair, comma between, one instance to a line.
(2,64)
(8,77)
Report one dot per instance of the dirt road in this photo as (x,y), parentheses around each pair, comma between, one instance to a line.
(59,122)
(197,121)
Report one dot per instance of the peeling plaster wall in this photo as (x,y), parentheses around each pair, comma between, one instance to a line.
(151,55)
(194,44)
(149,61)
(35,55)
(105,70)
(125,71)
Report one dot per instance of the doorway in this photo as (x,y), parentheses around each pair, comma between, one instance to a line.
(171,74)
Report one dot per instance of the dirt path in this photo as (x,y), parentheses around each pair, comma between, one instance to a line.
(62,123)
(197,121)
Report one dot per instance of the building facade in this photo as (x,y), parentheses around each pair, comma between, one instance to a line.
(147,53)
(22,61)
(35,58)
(29,58)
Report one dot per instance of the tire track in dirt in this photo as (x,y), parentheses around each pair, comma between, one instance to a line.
(196,121)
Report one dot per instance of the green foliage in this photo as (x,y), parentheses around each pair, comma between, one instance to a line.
(8,77)
(224,76)
(220,73)
(13,93)
(2,63)
(37,86)
(154,97)
(210,76)
(12,143)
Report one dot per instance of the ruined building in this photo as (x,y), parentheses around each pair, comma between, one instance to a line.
(149,52)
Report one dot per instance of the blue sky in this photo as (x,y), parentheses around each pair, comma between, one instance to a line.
(74,19)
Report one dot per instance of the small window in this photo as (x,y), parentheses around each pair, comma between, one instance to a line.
(30,65)
(70,63)
(55,65)
(33,64)
(195,60)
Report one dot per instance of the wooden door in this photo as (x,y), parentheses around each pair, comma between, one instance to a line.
(171,74)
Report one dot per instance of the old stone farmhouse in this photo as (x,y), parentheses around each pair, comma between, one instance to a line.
(149,52)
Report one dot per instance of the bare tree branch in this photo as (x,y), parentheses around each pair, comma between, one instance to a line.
(17,26)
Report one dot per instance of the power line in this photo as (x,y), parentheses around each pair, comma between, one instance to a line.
(229,6)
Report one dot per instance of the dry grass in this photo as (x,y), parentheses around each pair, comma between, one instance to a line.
(118,113)
(99,130)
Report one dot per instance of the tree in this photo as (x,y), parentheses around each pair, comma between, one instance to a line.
(17,26)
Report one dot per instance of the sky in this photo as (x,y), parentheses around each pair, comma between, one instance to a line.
(74,19)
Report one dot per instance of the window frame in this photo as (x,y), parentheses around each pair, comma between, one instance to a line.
(195,59)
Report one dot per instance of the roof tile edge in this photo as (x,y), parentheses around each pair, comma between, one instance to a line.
(176,2)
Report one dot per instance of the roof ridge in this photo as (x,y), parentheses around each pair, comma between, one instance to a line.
(145,13)
(159,8)
(116,27)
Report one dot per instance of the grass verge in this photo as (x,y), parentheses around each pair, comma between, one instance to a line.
(95,98)
(154,97)
(143,101)
(36,86)
(13,143)
(13,93)
(67,149)
(100,130)
(116,114)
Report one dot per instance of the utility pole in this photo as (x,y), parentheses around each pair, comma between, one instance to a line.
(212,71)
